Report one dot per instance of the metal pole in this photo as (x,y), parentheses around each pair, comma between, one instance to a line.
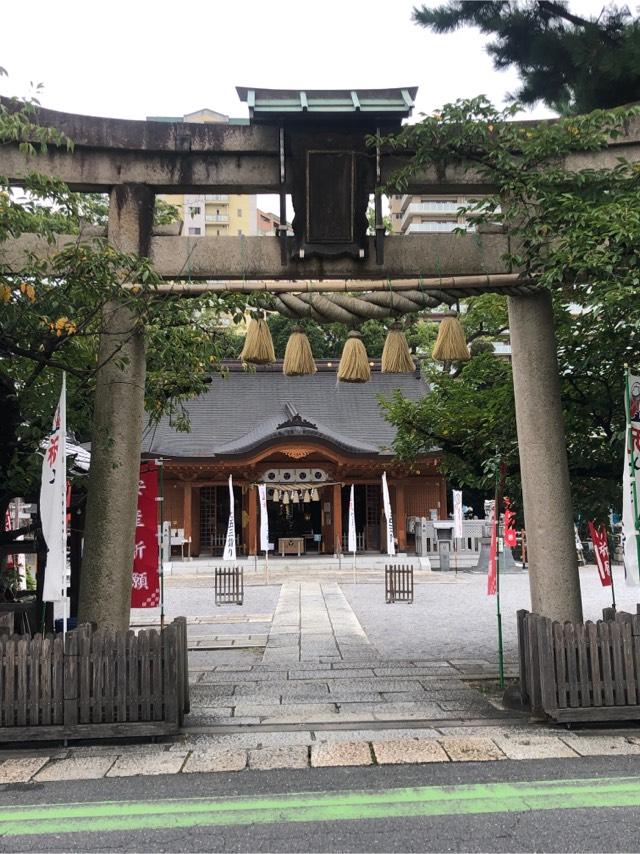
(632,471)
(498,501)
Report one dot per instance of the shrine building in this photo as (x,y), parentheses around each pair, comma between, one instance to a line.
(308,439)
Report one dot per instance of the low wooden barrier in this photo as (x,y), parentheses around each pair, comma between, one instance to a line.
(576,672)
(229,585)
(94,684)
(398,583)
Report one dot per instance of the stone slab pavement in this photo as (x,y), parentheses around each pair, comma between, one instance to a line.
(267,751)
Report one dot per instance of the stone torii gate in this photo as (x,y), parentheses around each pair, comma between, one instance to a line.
(310,145)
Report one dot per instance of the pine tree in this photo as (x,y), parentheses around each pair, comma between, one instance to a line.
(571,63)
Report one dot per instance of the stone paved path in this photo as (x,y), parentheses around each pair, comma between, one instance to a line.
(314,622)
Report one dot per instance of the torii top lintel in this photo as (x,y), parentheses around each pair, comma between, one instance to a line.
(372,106)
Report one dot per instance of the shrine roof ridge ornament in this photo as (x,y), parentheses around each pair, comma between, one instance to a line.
(274,104)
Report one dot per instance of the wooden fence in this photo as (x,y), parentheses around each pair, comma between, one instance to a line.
(581,671)
(94,684)
(398,583)
(229,585)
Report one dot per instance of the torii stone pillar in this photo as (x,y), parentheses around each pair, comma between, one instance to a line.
(105,583)
(553,564)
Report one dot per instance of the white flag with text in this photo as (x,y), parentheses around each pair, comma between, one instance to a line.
(264,518)
(352,544)
(53,504)
(391,546)
(230,544)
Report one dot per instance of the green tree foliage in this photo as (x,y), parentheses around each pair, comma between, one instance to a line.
(50,316)
(579,238)
(574,64)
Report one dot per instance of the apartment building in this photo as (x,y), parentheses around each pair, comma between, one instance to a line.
(216,215)
(426,213)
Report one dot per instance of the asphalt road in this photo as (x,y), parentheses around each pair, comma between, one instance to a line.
(543,805)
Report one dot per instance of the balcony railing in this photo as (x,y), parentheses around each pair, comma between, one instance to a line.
(217,217)
(216,197)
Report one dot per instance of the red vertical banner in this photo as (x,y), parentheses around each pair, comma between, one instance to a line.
(145,578)
(601,548)
(492,576)
(510,535)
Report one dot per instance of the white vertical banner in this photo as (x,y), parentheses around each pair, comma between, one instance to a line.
(391,546)
(352,544)
(264,518)
(631,483)
(53,504)
(457,514)
(230,544)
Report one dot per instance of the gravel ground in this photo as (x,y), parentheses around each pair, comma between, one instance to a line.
(458,621)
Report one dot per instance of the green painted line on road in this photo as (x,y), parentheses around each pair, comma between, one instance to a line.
(467,799)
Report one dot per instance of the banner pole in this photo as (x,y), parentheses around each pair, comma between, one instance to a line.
(63,452)
(160,463)
(632,473)
(500,474)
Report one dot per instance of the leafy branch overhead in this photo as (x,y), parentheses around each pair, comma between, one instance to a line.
(575,231)
(574,63)
(51,317)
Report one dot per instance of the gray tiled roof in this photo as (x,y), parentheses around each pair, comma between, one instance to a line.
(242,411)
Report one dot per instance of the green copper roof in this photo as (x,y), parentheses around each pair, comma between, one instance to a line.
(391,103)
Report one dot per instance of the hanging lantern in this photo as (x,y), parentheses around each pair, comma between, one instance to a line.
(315,495)
(258,344)
(451,345)
(298,358)
(285,499)
(354,365)
(276,495)
(295,498)
(307,497)
(396,356)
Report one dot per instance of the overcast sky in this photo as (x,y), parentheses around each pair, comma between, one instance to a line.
(138,58)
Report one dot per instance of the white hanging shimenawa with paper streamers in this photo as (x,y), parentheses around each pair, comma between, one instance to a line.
(352,544)
(457,514)
(230,544)
(391,546)
(631,484)
(53,504)
(264,518)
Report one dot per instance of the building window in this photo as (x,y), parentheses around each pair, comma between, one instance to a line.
(194,231)
(239,211)
(195,210)
(436,225)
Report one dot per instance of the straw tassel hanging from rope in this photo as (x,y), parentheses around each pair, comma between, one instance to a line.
(298,358)
(396,356)
(258,344)
(451,345)
(354,365)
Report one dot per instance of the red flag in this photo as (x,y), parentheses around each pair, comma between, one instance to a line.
(145,579)
(601,548)
(510,536)
(492,577)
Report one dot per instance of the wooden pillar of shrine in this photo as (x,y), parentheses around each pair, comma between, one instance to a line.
(187,510)
(337,517)
(401,517)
